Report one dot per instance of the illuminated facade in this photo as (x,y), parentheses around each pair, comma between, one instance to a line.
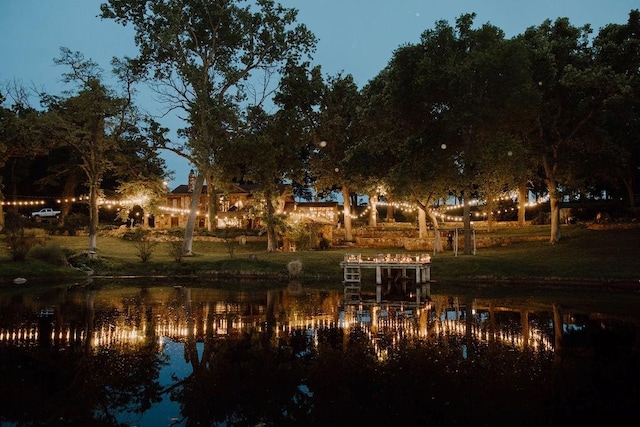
(238,207)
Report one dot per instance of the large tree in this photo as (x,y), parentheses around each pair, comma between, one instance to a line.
(488,104)
(492,104)
(573,90)
(618,46)
(268,153)
(298,98)
(402,134)
(337,132)
(202,57)
(457,104)
(21,137)
(100,127)
(83,119)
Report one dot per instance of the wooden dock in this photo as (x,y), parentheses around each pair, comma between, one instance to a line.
(352,266)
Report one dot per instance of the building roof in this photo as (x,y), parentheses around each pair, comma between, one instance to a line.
(236,188)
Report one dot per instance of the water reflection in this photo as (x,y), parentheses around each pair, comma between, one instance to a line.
(175,355)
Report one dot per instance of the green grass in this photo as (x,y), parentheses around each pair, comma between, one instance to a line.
(582,254)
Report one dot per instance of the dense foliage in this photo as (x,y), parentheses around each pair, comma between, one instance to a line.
(464,112)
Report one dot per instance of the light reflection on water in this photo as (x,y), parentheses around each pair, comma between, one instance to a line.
(165,355)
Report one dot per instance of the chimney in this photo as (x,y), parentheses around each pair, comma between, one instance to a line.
(192,181)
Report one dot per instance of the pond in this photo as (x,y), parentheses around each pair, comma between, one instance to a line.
(192,355)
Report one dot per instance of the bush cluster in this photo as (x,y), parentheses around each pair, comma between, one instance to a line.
(53,254)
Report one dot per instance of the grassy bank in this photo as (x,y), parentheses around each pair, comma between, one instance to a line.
(583,255)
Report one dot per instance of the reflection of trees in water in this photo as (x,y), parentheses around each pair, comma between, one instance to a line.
(66,380)
(39,386)
(333,376)
(341,379)
(283,359)
(244,383)
(597,375)
(422,382)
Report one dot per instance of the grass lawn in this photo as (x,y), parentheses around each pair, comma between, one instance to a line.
(582,254)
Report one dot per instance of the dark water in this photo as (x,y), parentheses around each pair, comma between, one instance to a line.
(196,356)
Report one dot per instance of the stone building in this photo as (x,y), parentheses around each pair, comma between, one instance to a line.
(238,206)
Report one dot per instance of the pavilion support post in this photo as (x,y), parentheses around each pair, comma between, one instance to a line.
(426,290)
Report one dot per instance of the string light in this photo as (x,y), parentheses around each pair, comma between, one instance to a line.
(321,212)
(407,207)
(23,203)
(177,210)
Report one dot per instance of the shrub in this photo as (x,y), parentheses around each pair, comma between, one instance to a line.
(235,232)
(144,244)
(229,237)
(305,236)
(74,222)
(19,243)
(176,249)
(52,254)
(175,232)
(14,222)
(541,219)
(324,244)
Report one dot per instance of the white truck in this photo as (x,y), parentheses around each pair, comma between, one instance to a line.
(45,213)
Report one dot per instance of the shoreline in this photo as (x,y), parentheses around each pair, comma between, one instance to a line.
(335,282)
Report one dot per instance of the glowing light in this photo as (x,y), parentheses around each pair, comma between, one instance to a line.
(22,203)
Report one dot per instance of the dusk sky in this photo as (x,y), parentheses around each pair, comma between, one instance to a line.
(356,37)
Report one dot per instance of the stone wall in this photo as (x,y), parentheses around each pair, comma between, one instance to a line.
(407,237)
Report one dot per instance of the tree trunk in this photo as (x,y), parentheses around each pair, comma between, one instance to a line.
(1,211)
(373,211)
(272,238)
(94,209)
(555,217)
(354,201)
(193,212)
(466,218)
(631,194)
(212,203)
(522,205)
(437,241)
(550,168)
(554,210)
(422,222)
(69,189)
(423,214)
(490,206)
(390,213)
(348,233)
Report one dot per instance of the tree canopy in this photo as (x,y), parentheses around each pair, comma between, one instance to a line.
(463,112)
(206,59)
